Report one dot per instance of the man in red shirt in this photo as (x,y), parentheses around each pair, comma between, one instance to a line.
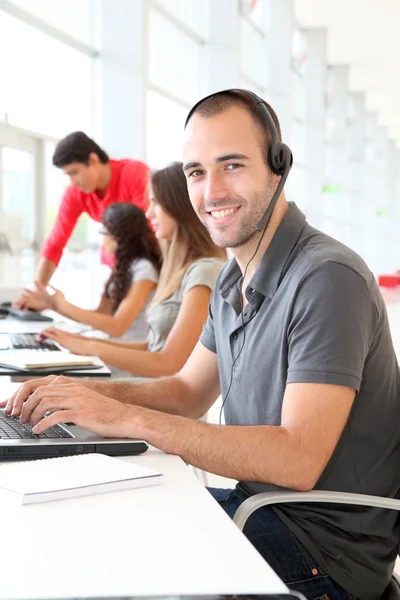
(96,182)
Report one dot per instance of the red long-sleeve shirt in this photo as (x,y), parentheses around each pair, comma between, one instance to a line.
(128,184)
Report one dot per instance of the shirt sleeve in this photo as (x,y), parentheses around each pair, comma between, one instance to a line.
(207,337)
(70,210)
(143,269)
(136,175)
(333,322)
(202,272)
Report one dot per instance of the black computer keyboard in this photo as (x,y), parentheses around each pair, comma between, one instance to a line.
(11,428)
(27,315)
(28,341)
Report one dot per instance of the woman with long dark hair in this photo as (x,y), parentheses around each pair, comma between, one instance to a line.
(176,314)
(130,287)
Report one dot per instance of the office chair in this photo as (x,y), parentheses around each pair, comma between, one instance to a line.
(251,504)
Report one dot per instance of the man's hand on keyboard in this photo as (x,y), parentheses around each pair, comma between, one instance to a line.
(14,404)
(72,402)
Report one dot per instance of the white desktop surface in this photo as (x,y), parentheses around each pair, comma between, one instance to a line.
(13,325)
(168,539)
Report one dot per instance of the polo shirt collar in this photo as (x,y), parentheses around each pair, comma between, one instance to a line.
(268,274)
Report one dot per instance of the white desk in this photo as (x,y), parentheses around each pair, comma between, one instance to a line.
(13,325)
(162,540)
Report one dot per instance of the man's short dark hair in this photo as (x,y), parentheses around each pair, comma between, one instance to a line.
(220,102)
(76,147)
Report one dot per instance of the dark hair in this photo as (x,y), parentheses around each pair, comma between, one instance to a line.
(130,228)
(76,147)
(220,102)
(191,240)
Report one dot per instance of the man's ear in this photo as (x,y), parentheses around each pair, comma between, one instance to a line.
(93,159)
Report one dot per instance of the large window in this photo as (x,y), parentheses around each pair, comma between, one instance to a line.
(191,13)
(297,181)
(74,17)
(253,50)
(19,227)
(174,59)
(255,11)
(165,122)
(46,85)
(46,92)
(175,51)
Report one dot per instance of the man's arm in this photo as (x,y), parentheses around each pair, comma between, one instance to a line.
(45,270)
(313,417)
(190,393)
(292,455)
(70,210)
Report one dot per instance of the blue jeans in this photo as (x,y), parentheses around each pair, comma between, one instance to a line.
(282,550)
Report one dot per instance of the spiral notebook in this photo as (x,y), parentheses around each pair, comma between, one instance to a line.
(71,476)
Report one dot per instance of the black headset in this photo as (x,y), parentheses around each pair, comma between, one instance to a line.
(280,157)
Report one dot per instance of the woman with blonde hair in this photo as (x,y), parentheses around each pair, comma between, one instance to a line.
(191,264)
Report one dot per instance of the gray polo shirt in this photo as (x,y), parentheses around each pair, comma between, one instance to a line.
(315,314)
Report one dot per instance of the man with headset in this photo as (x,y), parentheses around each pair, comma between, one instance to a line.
(298,343)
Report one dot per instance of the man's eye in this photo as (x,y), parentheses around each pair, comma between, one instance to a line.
(233,166)
(195,173)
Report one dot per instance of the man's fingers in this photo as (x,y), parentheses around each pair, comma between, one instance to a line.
(15,403)
(23,392)
(50,404)
(49,391)
(60,416)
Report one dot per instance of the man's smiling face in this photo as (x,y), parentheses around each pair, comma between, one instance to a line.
(229,182)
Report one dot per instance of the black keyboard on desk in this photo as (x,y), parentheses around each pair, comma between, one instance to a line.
(28,341)
(27,315)
(11,428)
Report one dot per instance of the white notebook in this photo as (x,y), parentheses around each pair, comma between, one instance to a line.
(69,476)
(33,359)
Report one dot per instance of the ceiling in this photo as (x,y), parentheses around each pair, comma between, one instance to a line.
(363,34)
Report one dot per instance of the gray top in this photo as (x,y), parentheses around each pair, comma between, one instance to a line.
(161,317)
(315,314)
(142,269)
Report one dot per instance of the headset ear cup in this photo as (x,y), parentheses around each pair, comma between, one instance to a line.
(280,158)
